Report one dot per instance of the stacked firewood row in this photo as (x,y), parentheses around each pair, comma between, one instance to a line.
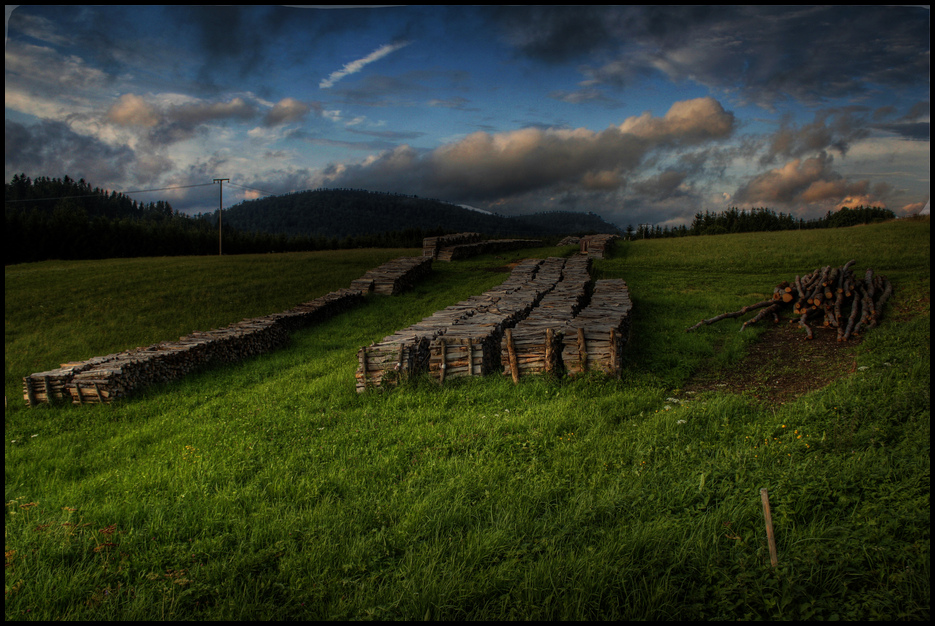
(522,326)
(105,378)
(472,346)
(394,276)
(468,250)
(432,245)
(596,337)
(534,345)
(459,337)
(597,246)
(832,297)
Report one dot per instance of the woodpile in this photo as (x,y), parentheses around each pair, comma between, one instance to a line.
(394,276)
(832,297)
(468,250)
(595,339)
(432,245)
(459,340)
(105,378)
(570,240)
(597,246)
(535,344)
(521,327)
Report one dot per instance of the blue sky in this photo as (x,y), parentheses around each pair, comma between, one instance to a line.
(639,114)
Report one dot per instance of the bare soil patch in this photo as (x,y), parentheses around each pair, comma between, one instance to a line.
(783,365)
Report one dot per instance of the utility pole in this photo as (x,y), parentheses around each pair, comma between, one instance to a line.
(220,182)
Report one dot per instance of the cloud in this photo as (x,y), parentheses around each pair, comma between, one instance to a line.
(805,181)
(355,66)
(485,166)
(51,148)
(831,129)
(132,110)
(763,55)
(288,110)
(686,122)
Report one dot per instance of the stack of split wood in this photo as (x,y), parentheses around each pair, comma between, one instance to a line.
(394,276)
(460,339)
(595,339)
(431,246)
(535,344)
(597,246)
(468,250)
(105,378)
(833,297)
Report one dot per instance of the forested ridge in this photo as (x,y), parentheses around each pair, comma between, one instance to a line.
(63,218)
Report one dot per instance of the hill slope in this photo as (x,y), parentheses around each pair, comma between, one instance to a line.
(351,213)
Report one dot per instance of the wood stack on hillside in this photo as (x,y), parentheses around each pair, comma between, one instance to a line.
(452,333)
(597,246)
(432,245)
(596,337)
(104,378)
(535,344)
(468,250)
(394,276)
(833,297)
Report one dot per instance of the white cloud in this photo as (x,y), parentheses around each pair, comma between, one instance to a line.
(355,66)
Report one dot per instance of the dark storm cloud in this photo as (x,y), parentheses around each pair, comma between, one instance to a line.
(52,149)
(769,54)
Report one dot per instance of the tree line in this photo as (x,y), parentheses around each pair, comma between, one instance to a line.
(735,220)
(63,218)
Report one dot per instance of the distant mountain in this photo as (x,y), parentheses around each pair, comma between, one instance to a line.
(353,213)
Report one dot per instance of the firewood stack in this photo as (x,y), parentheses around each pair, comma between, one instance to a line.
(462,339)
(432,245)
(468,250)
(833,297)
(596,337)
(394,276)
(597,246)
(105,378)
(535,344)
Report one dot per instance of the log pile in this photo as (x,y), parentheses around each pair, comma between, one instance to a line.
(833,297)
(432,245)
(461,339)
(394,276)
(105,378)
(597,246)
(468,250)
(596,337)
(535,344)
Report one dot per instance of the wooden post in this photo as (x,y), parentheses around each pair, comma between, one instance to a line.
(78,392)
(548,349)
(613,353)
(443,366)
(773,559)
(47,388)
(362,355)
(30,398)
(582,350)
(511,350)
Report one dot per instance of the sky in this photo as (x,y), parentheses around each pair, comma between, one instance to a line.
(640,114)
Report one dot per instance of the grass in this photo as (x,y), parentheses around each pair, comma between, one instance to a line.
(269,489)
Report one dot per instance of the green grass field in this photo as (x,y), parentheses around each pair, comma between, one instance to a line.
(270,489)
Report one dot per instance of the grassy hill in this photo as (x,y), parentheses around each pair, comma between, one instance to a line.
(270,489)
